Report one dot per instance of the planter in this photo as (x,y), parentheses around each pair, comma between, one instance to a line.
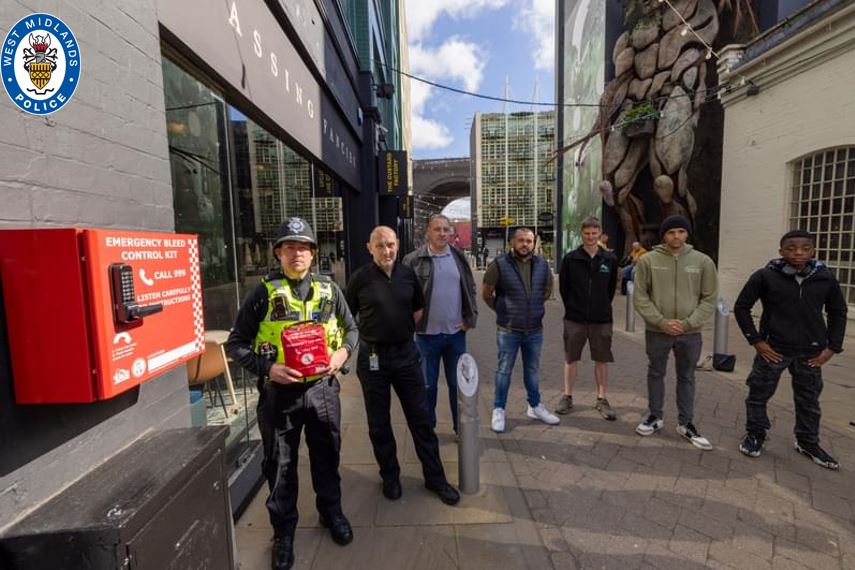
(638,129)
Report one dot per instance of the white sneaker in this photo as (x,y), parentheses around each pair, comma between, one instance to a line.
(691,433)
(498,422)
(649,426)
(542,414)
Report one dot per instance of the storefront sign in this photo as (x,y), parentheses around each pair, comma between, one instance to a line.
(309,25)
(326,186)
(393,173)
(244,44)
(407,211)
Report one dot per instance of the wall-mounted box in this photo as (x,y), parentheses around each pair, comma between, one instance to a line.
(92,313)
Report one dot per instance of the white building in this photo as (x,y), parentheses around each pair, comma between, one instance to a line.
(789,144)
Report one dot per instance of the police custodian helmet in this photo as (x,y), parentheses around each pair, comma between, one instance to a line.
(295,229)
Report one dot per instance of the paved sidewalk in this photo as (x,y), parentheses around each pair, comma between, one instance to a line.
(590,493)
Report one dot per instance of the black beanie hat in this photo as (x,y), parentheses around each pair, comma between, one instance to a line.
(673,222)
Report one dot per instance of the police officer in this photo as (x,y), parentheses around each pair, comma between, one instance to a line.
(289,402)
(388,300)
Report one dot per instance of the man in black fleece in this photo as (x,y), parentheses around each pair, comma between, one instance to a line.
(794,290)
(587,280)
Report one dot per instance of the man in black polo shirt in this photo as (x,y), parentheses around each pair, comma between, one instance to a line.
(387,299)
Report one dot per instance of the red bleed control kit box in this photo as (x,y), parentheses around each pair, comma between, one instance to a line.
(305,346)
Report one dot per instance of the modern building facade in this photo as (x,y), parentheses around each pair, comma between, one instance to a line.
(789,144)
(513,177)
(220,119)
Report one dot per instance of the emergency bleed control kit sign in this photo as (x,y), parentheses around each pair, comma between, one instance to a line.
(163,274)
(92,313)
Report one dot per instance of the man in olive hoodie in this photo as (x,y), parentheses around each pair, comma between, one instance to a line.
(675,293)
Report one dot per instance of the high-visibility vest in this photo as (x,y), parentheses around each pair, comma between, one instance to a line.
(296,311)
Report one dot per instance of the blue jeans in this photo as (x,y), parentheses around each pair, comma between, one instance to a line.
(447,347)
(529,344)
(628,272)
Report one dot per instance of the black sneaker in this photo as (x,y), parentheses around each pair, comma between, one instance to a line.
(752,444)
(817,454)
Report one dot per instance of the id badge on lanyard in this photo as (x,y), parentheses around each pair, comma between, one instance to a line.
(373,362)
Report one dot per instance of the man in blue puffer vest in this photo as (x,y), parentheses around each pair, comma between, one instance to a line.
(516,285)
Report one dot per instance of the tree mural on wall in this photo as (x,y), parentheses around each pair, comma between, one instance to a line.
(650,111)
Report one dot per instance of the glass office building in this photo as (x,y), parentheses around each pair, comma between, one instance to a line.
(513,177)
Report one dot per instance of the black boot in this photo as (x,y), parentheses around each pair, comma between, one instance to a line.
(446,493)
(283,553)
(339,526)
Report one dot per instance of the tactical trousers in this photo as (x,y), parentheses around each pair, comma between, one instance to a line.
(283,412)
(807,386)
(399,368)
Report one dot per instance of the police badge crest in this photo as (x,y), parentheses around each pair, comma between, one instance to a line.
(40,64)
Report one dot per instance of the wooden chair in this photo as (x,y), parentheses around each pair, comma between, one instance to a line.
(211,364)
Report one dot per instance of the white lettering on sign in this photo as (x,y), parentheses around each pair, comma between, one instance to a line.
(138,255)
(274,69)
(112,241)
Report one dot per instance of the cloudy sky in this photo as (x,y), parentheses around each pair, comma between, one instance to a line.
(474,45)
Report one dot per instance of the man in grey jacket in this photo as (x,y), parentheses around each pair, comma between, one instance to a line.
(450,310)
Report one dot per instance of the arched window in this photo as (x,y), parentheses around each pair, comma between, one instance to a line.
(823,203)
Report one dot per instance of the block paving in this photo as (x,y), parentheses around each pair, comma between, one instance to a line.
(590,493)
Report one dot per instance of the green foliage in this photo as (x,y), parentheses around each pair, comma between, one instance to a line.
(640,113)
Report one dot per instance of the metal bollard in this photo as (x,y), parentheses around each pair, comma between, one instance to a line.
(630,308)
(722,316)
(469,449)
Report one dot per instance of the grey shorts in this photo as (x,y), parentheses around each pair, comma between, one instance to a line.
(598,335)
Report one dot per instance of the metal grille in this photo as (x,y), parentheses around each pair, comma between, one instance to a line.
(823,203)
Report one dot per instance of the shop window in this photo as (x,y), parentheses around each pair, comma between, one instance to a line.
(274,183)
(195,122)
(202,196)
(234,183)
(823,197)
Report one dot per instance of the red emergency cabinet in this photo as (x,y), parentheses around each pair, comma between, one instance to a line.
(91,313)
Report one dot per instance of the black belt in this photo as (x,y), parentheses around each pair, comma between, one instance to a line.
(383,347)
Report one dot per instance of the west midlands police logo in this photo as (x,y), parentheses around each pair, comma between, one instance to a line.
(40,65)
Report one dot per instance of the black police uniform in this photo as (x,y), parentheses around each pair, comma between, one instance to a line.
(284,410)
(385,307)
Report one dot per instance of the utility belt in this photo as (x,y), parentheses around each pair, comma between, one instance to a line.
(299,387)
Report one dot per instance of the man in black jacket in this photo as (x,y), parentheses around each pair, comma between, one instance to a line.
(793,335)
(387,299)
(587,281)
